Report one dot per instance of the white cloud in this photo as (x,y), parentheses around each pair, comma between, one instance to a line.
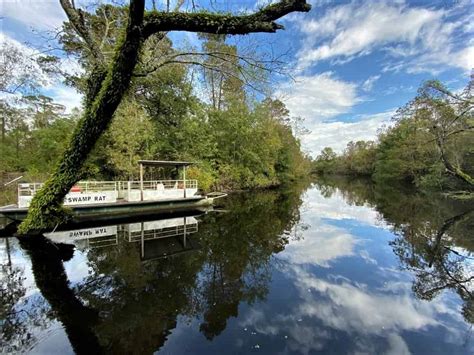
(42,14)
(318,97)
(21,69)
(436,62)
(358,28)
(321,97)
(320,245)
(26,67)
(369,83)
(38,14)
(66,96)
(337,134)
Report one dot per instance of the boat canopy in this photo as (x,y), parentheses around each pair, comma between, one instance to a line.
(164,163)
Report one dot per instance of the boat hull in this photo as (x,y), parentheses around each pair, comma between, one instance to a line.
(99,212)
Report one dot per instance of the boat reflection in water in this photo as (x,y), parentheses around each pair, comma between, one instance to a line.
(157,239)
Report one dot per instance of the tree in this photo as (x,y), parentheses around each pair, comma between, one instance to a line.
(128,139)
(447,115)
(107,84)
(43,110)
(404,153)
(325,162)
(20,74)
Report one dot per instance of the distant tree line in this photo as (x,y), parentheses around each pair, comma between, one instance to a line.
(430,144)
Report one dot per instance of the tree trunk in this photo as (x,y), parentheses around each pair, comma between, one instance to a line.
(45,210)
(453,170)
(51,279)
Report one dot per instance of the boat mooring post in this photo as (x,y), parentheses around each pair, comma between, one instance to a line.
(141,182)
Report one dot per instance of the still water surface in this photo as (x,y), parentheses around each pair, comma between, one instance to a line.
(336,268)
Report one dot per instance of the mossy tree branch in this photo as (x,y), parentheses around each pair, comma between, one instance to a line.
(261,21)
(108,84)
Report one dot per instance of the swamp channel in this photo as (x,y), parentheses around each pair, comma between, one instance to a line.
(334,267)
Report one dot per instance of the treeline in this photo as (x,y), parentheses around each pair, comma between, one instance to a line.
(199,108)
(430,144)
(34,134)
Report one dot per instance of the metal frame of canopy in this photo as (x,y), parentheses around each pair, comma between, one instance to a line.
(161,163)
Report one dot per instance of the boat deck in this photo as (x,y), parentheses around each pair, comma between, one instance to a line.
(120,208)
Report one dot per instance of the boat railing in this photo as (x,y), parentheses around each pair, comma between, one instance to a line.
(136,236)
(94,186)
(162,184)
(29,189)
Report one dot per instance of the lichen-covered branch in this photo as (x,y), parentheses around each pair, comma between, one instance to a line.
(261,21)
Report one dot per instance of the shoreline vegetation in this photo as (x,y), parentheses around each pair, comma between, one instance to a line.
(277,159)
(430,145)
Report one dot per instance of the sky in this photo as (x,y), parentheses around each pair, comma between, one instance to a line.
(351,63)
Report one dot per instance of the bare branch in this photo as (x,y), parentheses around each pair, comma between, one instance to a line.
(77,20)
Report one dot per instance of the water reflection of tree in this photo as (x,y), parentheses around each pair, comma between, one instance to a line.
(238,248)
(21,315)
(51,279)
(434,235)
(126,305)
(11,291)
(429,253)
(140,302)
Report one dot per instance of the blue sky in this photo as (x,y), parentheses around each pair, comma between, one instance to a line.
(352,62)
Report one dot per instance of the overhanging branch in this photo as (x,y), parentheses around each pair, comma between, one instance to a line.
(261,21)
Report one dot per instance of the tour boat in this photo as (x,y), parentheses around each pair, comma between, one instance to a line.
(102,200)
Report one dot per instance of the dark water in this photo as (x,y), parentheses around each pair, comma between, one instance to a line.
(336,268)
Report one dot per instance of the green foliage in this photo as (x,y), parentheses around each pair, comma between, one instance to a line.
(204,174)
(34,139)
(128,139)
(430,145)
(405,153)
(358,158)
(241,145)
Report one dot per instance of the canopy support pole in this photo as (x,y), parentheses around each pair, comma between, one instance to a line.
(141,182)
